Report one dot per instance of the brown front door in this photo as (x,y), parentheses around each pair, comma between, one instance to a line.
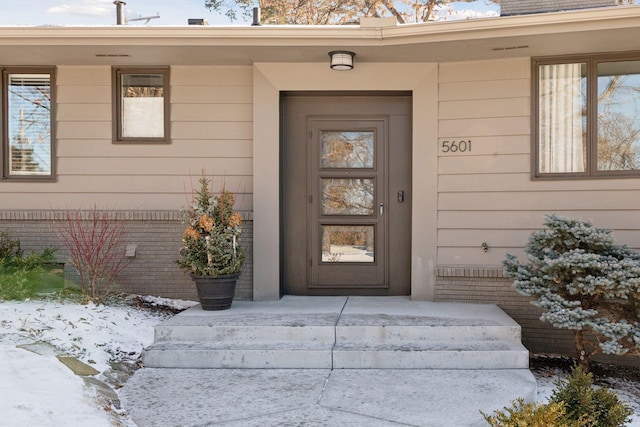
(346,210)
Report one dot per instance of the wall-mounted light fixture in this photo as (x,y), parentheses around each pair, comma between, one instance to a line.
(341,60)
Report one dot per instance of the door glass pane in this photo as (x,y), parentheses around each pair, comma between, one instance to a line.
(562,118)
(29,124)
(347,149)
(619,116)
(347,243)
(347,196)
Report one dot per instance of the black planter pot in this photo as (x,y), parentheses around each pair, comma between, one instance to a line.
(216,292)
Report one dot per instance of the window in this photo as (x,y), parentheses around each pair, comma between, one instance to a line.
(141,105)
(587,117)
(27,122)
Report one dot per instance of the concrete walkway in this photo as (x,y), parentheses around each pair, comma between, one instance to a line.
(324,397)
(319,397)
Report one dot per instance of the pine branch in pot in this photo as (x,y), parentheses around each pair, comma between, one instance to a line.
(211,251)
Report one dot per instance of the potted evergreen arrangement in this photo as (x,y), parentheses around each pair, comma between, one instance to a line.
(211,251)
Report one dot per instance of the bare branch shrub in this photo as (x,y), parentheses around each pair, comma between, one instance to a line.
(96,240)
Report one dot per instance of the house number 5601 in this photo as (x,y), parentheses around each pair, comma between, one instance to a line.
(461,146)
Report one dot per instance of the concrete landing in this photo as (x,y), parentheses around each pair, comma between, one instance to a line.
(319,397)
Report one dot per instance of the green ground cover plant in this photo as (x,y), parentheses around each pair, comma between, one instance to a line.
(20,274)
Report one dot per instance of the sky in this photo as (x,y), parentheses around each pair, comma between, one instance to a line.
(102,12)
(172,12)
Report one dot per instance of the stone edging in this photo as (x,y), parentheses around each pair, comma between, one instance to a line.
(132,215)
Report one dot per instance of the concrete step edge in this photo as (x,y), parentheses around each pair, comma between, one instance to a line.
(241,345)
(417,346)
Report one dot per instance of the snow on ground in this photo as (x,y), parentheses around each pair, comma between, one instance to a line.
(37,389)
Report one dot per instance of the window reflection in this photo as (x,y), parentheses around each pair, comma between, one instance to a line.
(347,243)
(347,149)
(619,115)
(29,124)
(347,196)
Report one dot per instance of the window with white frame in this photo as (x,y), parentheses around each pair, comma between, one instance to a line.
(587,116)
(141,100)
(28,142)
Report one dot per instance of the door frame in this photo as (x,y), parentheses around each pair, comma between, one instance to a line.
(303,116)
(269,80)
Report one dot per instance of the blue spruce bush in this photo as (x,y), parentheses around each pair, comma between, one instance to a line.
(583,281)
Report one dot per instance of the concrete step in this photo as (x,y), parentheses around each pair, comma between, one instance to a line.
(230,333)
(239,355)
(340,332)
(308,355)
(192,331)
(432,355)
(382,333)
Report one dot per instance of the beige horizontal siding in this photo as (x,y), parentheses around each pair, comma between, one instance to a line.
(145,184)
(497,164)
(474,255)
(84,76)
(216,112)
(212,76)
(490,89)
(211,130)
(178,148)
(494,180)
(84,112)
(121,200)
(182,94)
(471,252)
(485,182)
(84,130)
(506,107)
(487,194)
(624,200)
(468,127)
(133,167)
(494,69)
(532,219)
(97,94)
(500,237)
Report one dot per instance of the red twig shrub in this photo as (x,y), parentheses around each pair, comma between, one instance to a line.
(96,243)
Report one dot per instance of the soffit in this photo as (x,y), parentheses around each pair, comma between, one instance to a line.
(600,30)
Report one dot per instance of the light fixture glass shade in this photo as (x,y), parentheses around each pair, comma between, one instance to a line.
(341,60)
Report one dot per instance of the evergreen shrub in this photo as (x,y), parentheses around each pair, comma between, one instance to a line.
(585,282)
(574,403)
(588,405)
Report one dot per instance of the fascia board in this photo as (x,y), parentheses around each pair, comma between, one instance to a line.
(511,26)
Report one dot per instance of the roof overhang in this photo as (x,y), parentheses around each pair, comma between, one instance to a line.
(563,33)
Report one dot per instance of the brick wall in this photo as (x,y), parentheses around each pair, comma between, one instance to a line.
(518,7)
(156,235)
(487,285)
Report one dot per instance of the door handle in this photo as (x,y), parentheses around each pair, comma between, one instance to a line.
(381,208)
